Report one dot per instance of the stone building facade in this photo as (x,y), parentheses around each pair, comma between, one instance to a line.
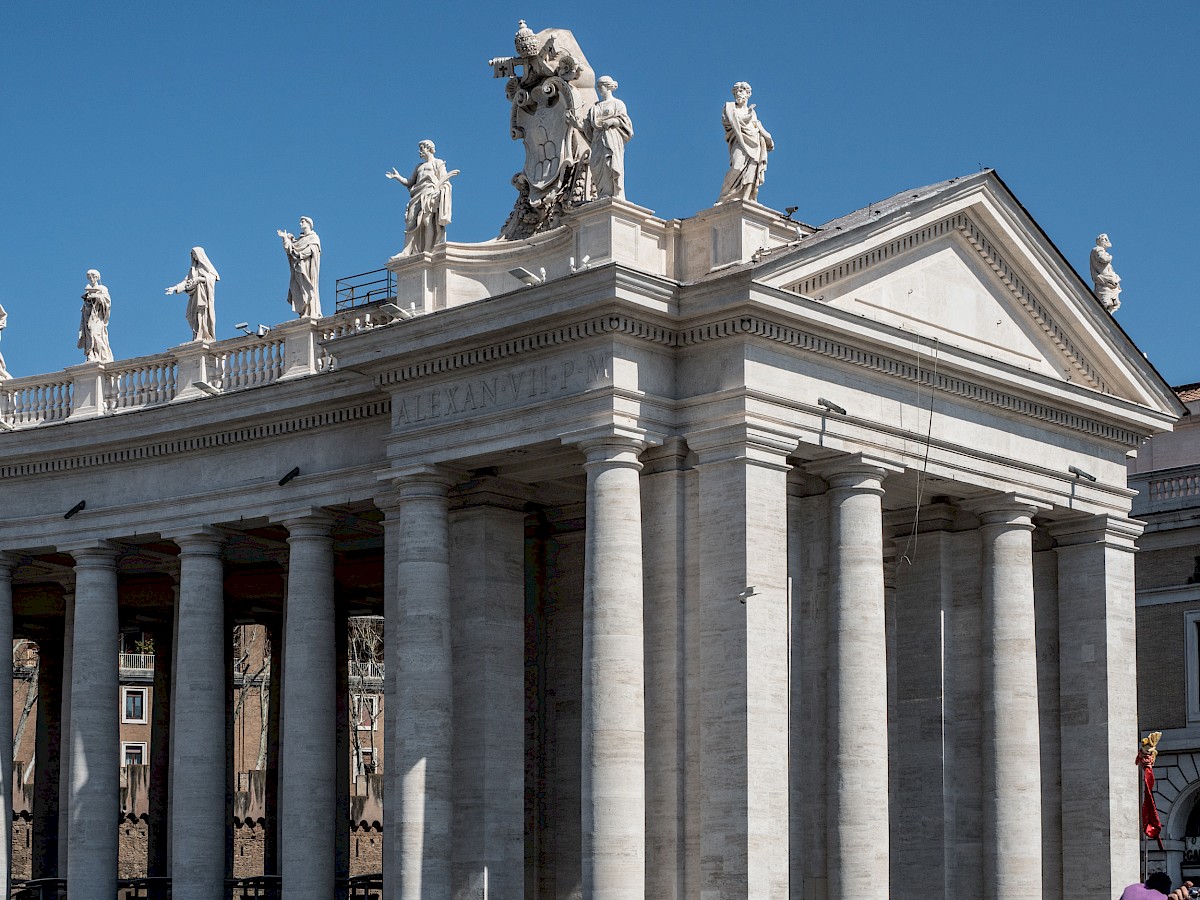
(1166,475)
(746,560)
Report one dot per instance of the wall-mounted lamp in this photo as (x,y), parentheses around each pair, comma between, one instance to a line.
(74,509)
(289,476)
(1075,470)
(524,275)
(831,406)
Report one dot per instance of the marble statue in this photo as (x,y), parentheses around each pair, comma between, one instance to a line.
(429,206)
(201,288)
(749,144)
(93,320)
(1105,281)
(3,324)
(304,259)
(607,129)
(551,88)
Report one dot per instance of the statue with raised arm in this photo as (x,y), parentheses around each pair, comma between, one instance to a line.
(3,324)
(429,206)
(93,320)
(201,288)
(304,259)
(551,87)
(1105,281)
(749,144)
(607,128)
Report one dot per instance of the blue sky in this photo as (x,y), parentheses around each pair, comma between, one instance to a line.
(131,132)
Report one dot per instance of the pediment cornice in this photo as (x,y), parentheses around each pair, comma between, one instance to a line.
(964,226)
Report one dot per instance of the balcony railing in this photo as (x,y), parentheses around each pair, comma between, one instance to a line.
(190,371)
(378,286)
(142,662)
(1166,489)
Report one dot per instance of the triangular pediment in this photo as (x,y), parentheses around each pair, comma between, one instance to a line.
(965,267)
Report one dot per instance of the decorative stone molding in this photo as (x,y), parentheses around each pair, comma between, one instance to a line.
(974,235)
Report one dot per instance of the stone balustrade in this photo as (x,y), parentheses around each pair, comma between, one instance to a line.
(90,390)
(1169,489)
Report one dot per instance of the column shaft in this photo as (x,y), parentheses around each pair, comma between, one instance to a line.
(94,794)
(418,666)
(7,564)
(308,765)
(487,581)
(50,753)
(858,690)
(1099,708)
(614,723)
(742,608)
(1012,836)
(158,858)
(198,748)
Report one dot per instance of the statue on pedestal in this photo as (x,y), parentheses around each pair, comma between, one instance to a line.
(1105,282)
(607,128)
(3,324)
(429,206)
(201,288)
(93,320)
(551,88)
(304,259)
(749,144)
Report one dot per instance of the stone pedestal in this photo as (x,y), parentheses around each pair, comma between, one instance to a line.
(198,738)
(87,390)
(193,363)
(309,745)
(94,793)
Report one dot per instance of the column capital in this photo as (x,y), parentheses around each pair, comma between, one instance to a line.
(1117,532)
(610,438)
(756,442)
(312,523)
(860,472)
(92,553)
(1011,510)
(416,481)
(201,540)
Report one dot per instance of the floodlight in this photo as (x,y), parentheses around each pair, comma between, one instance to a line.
(394,311)
(243,327)
(6,426)
(831,406)
(74,509)
(289,476)
(207,388)
(522,274)
(262,330)
(1075,470)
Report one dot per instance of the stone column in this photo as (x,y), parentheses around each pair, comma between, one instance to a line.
(487,584)
(858,689)
(50,748)
(307,757)
(198,743)
(1012,830)
(8,563)
(418,669)
(158,844)
(1099,721)
(94,791)
(742,607)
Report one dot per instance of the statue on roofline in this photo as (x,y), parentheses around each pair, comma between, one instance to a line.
(551,88)
(304,260)
(1105,282)
(749,144)
(201,287)
(3,324)
(93,320)
(429,205)
(608,129)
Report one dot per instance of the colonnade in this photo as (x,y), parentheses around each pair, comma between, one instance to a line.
(734,727)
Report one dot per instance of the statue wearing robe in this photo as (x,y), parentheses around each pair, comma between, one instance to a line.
(748,143)
(93,320)
(607,128)
(304,260)
(201,287)
(3,324)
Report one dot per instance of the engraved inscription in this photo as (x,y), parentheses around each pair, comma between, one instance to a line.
(512,388)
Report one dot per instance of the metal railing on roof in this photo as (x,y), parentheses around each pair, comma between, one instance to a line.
(378,286)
